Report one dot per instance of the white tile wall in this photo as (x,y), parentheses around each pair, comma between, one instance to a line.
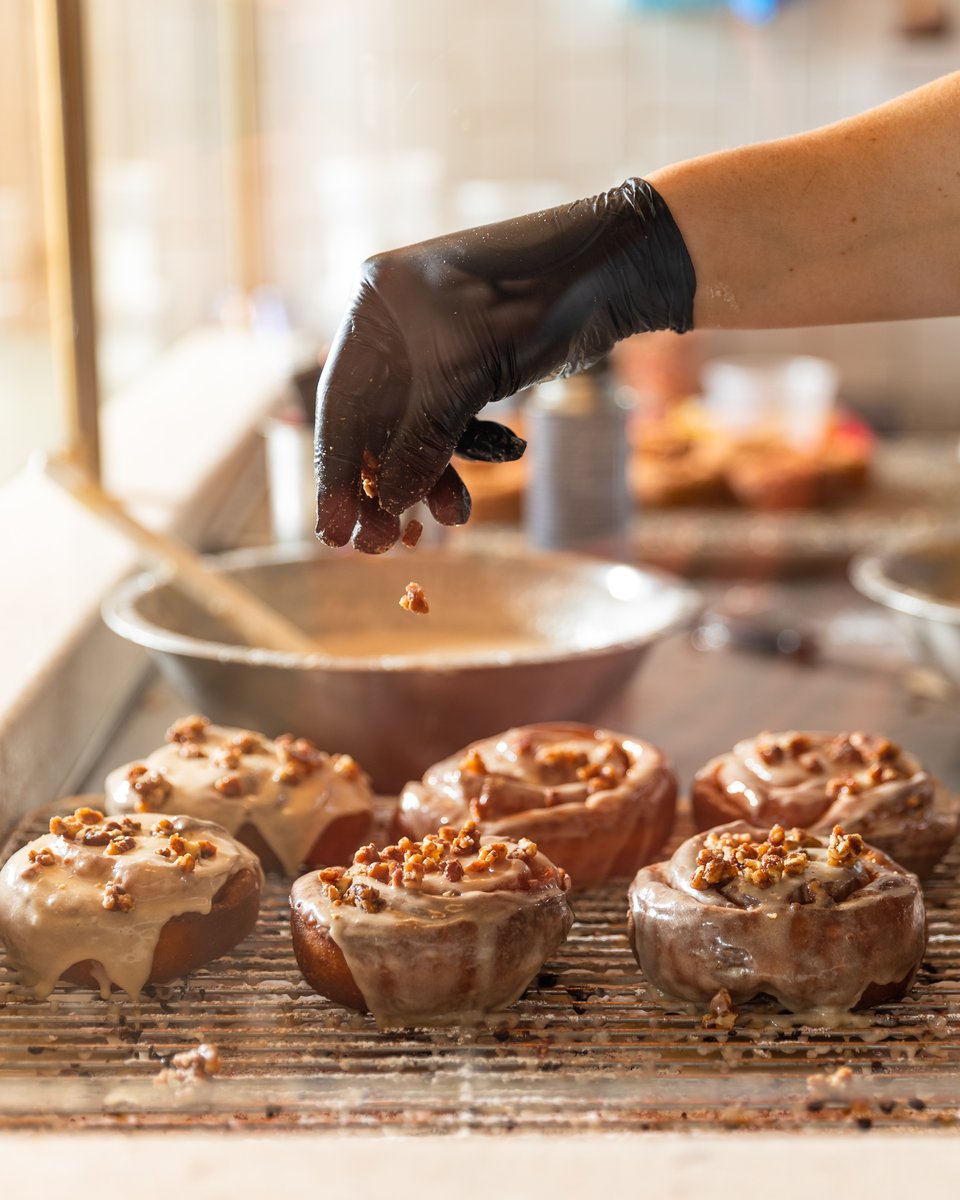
(392,120)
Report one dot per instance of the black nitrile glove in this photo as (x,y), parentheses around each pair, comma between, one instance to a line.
(437,330)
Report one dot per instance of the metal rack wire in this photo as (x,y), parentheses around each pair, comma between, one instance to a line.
(588,1048)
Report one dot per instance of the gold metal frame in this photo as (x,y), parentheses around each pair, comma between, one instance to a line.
(66,195)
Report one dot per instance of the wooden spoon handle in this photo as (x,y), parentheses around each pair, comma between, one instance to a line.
(247,615)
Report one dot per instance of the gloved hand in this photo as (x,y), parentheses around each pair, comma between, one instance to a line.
(437,330)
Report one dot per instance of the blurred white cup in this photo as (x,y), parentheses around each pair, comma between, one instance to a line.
(791,397)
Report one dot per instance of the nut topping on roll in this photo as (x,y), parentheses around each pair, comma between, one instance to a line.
(100,890)
(288,792)
(816,922)
(597,803)
(431,932)
(863,782)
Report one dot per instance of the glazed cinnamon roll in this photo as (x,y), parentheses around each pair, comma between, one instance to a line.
(816,922)
(122,902)
(596,803)
(863,782)
(294,804)
(435,932)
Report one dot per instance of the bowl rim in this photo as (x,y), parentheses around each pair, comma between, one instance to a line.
(869,574)
(119,613)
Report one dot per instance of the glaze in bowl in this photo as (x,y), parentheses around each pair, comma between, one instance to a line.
(511,639)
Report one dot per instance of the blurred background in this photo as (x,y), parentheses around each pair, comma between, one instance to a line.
(245,155)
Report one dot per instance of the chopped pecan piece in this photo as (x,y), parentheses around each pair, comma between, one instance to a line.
(843,849)
(472,763)
(369,474)
(721,1014)
(245,742)
(525,849)
(188,729)
(770,752)
(467,839)
(116,898)
(361,895)
(414,600)
(290,773)
(839,785)
(120,843)
(225,758)
(230,785)
(452,870)
(347,766)
(300,750)
(151,787)
(412,533)
(331,874)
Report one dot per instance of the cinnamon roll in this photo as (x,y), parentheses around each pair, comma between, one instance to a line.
(816,922)
(435,932)
(597,803)
(294,804)
(122,902)
(863,782)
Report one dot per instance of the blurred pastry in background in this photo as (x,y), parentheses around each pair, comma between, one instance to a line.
(766,434)
(678,459)
(770,474)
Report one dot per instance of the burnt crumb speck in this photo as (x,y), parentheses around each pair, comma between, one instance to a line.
(35,1049)
(814,1106)
(916,1104)
(501,1035)
(887,1106)
(864,1123)
(578,994)
(546,979)
(271,1111)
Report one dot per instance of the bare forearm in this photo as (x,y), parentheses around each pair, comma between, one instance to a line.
(858,221)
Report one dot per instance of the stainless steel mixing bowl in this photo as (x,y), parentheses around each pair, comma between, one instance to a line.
(920,582)
(511,638)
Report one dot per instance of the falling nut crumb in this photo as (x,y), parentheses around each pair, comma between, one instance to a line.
(412,533)
(414,600)
(195,1065)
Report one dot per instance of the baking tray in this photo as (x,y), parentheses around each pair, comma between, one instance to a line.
(587,1048)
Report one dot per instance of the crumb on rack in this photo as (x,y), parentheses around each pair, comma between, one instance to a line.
(412,533)
(721,1012)
(196,1065)
(414,600)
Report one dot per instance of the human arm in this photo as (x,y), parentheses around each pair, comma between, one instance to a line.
(857,221)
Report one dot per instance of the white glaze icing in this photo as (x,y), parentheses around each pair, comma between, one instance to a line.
(290,817)
(52,917)
(408,975)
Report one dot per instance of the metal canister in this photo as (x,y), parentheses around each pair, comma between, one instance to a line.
(577,497)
